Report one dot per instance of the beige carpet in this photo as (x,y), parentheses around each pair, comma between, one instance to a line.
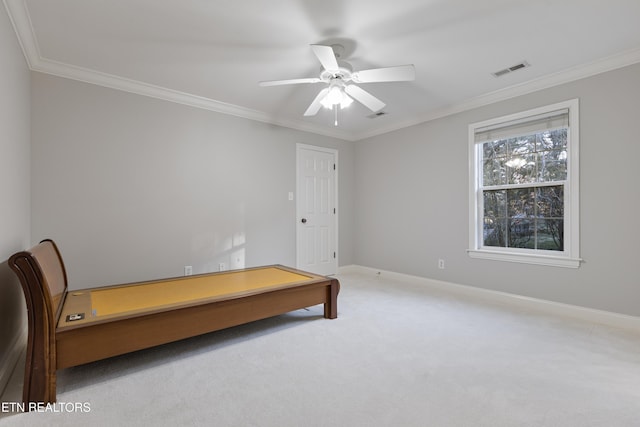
(398,355)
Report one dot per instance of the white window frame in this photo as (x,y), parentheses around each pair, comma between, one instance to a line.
(570,256)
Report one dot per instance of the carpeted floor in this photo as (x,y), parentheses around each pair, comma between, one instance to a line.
(399,354)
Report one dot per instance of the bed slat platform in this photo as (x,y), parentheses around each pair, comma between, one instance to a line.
(72,328)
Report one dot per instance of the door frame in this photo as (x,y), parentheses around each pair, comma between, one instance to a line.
(334,152)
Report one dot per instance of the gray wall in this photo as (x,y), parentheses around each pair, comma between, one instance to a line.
(14,187)
(412,200)
(134,188)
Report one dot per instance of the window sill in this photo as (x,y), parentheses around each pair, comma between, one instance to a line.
(537,259)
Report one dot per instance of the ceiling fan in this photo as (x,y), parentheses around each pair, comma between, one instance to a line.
(339,77)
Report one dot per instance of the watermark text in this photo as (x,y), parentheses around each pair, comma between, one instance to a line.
(57,407)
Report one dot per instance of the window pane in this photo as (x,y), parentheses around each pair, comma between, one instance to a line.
(494,172)
(552,140)
(526,159)
(552,166)
(495,204)
(495,211)
(522,233)
(494,233)
(493,149)
(520,164)
(550,207)
(520,210)
(550,202)
(522,145)
(551,234)
(520,203)
(522,169)
(493,162)
(528,218)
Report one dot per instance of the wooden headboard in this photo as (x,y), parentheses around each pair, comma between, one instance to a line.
(44,282)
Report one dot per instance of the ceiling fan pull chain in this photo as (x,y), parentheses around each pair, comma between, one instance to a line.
(335,110)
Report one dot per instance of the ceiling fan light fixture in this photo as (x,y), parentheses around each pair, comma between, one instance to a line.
(335,95)
(346,101)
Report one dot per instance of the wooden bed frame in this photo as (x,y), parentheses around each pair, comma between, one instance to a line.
(51,346)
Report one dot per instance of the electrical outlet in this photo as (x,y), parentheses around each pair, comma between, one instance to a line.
(441,264)
(188,270)
(222,267)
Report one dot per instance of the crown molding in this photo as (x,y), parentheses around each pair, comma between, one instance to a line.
(141,88)
(21,21)
(603,65)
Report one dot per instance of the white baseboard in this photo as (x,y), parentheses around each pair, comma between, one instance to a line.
(9,361)
(592,315)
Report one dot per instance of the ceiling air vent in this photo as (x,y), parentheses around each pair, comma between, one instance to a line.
(511,69)
(376,115)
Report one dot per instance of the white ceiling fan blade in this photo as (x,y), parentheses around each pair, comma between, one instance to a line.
(401,73)
(365,98)
(316,104)
(326,57)
(289,82)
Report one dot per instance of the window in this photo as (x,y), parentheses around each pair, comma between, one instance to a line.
(523,202)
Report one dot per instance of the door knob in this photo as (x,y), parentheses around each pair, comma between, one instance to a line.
(304,220)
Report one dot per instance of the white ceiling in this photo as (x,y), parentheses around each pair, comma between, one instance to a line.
(212,53)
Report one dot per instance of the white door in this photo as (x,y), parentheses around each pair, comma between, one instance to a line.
(316,209)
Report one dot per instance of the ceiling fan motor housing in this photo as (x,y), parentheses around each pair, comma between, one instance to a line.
(343,72)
